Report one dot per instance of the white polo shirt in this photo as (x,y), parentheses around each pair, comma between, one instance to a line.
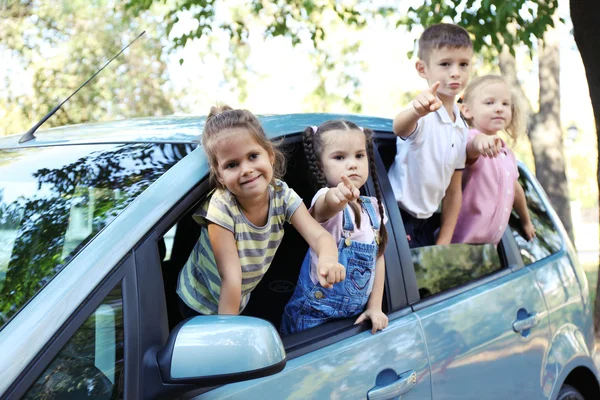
(426,160)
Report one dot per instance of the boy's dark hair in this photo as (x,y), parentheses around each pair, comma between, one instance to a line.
(313,148)
(443,35)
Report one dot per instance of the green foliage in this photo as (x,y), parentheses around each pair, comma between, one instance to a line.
(60,44)
(493,24)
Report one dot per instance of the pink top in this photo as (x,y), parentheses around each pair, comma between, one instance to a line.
(488,196)
(334,226)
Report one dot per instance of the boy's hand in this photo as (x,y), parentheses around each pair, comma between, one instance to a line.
(427,101)
(344,192)
(529,231)
(487,145)
(330,273)
(378,319)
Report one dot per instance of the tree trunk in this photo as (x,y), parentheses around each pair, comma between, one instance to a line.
(586,29)
(546,136)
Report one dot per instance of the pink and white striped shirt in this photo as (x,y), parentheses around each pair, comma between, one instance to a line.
(488,196)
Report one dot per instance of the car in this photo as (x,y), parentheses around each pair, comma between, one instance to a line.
(96,223)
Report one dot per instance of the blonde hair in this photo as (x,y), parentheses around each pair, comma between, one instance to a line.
(223,117)
(518,123)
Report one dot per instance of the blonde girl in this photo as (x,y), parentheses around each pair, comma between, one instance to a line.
(490,185)
(242,220)
(340,156)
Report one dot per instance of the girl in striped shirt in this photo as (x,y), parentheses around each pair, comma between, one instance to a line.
(242,219)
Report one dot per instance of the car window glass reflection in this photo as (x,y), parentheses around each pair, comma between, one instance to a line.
(90,365)
(54,200)
(439,268)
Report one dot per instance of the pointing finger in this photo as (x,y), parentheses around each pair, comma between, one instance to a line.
(434,88)
(347,182)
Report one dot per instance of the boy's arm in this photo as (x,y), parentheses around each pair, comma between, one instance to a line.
(405,122)
(450,208)
(229,268)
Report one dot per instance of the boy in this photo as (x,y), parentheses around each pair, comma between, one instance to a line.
(431,143)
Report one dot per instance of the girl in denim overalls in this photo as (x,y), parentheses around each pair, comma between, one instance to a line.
(340,155)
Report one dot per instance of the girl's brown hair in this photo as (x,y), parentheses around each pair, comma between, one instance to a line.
(518,123)
(313,149)
(221,118)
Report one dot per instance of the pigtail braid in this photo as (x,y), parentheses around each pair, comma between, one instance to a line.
(313,163)
(383,237)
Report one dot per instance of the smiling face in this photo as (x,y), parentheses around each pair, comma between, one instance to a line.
(244,167)
(450,66)
(345,153)
(489,108)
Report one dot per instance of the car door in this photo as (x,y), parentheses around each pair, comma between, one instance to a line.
(485,322)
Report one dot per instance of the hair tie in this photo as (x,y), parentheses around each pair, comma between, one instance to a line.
(361,128)
(314,129)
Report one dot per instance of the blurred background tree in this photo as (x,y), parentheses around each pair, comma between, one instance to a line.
(61,44)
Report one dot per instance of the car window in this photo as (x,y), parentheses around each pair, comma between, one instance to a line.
(90,365)
(547,240)
(440,268)
(54,200)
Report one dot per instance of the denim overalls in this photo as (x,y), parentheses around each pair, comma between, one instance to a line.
(312,305)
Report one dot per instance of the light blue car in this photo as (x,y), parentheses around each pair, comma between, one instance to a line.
(95,225)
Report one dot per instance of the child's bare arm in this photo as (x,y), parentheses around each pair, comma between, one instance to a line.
(335,200)
(483,145)
(520,206)
(229,267)
(373,312)
(450,208)
(321,241)
(405,121)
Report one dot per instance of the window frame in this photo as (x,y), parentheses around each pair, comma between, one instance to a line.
(122,274)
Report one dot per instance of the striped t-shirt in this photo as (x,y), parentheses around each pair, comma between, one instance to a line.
(199,283)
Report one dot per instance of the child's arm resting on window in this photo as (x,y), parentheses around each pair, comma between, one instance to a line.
(373,312)
(450,208)
(321,241)
(229,267)
(520,206)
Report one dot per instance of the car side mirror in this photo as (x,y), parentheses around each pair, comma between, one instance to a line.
(220,349)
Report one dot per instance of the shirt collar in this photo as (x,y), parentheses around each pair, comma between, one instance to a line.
(445,118)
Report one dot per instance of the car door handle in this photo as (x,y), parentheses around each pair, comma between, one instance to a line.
(406,381)
(521,325)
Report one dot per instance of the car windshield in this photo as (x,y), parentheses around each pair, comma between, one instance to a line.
(54,200)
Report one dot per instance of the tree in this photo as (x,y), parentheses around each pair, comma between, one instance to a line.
(586,25)
(62,43)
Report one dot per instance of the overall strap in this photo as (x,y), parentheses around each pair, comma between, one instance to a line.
(347,225)
(375,222)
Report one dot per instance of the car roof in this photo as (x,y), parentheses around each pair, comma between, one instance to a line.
(174,129)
